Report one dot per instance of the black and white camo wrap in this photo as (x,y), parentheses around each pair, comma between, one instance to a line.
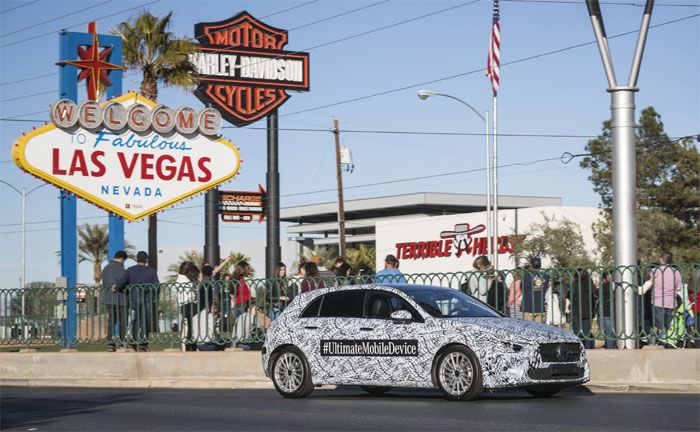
(506,348)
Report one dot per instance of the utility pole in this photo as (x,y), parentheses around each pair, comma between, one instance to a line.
(624,173)
(341,206)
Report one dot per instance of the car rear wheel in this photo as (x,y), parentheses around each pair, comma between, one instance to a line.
(458,374)
(543,391)
(291,374)
(374,390)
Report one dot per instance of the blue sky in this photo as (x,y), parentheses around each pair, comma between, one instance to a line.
(556,94)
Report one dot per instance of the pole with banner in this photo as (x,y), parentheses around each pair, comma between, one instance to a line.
(493,71)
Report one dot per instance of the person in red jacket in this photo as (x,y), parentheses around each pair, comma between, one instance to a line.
(239,290)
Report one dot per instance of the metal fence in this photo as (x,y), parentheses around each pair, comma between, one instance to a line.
(212,315)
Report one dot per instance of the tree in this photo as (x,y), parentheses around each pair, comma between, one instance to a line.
(198,260)
(93,243)
(328,254)
(361,257)
(559,240)
(657,232)
(161,57)
(668,189)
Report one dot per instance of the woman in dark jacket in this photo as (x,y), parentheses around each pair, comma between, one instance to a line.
(312,278)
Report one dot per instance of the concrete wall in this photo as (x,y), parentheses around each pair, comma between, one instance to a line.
(611,370)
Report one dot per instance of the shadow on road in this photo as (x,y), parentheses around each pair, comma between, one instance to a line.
(46,410)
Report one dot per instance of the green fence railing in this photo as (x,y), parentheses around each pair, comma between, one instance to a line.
(213,315)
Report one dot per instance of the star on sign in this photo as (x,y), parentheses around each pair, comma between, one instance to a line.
(93,64)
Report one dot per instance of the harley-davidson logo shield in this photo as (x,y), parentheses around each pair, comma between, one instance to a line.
(242,69)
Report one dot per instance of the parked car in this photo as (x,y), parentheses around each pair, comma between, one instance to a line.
(385,336)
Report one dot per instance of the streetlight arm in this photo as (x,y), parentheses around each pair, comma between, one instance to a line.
(464,103)
(16,190)
(40,186)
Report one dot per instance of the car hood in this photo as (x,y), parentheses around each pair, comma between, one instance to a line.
(515,330)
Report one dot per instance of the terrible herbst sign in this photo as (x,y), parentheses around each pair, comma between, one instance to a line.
(129,155)
(242,69)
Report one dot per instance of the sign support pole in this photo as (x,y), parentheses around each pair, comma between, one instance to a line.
(272,205)
(68,89)
(212,251)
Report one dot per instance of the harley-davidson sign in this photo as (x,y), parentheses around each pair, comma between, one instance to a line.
(242,69)
(129,155)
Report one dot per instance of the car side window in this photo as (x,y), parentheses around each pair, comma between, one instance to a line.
(342,304)
(381,304)
(312,309)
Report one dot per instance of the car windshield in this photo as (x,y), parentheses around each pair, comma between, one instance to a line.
(448,303)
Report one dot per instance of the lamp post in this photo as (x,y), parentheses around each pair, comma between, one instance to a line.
(425,94)
(23,282)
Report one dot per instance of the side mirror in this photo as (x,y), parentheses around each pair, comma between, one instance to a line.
(401,316)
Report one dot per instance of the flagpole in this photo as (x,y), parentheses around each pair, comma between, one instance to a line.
(494,224)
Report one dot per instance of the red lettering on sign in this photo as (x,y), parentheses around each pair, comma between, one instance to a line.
(166,172)
(206,172)
(77,164)
(95,159)
(127,168)
(185,122)
(186,169)
(55,160)
(146,166)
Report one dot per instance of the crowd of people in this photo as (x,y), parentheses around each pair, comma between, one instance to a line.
(577,299)
(213,308)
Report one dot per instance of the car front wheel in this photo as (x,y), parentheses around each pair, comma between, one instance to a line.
(291,374)
(458,374)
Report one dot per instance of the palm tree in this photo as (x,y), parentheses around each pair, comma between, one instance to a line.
(361,258)
(161,57)
(198,259)
(93,243)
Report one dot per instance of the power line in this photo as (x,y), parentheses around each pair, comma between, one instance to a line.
(338,15)
(607,3)
(27,96)
(288,9)
(79,24)
(35,25)
(532,57)
(564,158)
(29,79)
(17,7)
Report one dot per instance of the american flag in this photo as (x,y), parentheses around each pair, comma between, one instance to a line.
(493,65)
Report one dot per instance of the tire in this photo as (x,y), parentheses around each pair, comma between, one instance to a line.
(458,374)
(290,373)
(375,391)
(543,391)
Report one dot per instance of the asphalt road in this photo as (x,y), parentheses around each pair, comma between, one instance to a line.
(60,409)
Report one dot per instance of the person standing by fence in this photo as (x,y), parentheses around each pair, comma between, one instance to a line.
(534,284)
(664,281)
(142,281)
(115,302)
(391,272)
(583,304)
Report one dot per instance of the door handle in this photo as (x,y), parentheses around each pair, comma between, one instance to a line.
(366,328)
(311,327)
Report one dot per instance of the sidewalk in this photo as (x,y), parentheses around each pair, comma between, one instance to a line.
(634,371)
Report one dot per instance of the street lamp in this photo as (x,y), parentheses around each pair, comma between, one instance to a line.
(24,194)
(425,94)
